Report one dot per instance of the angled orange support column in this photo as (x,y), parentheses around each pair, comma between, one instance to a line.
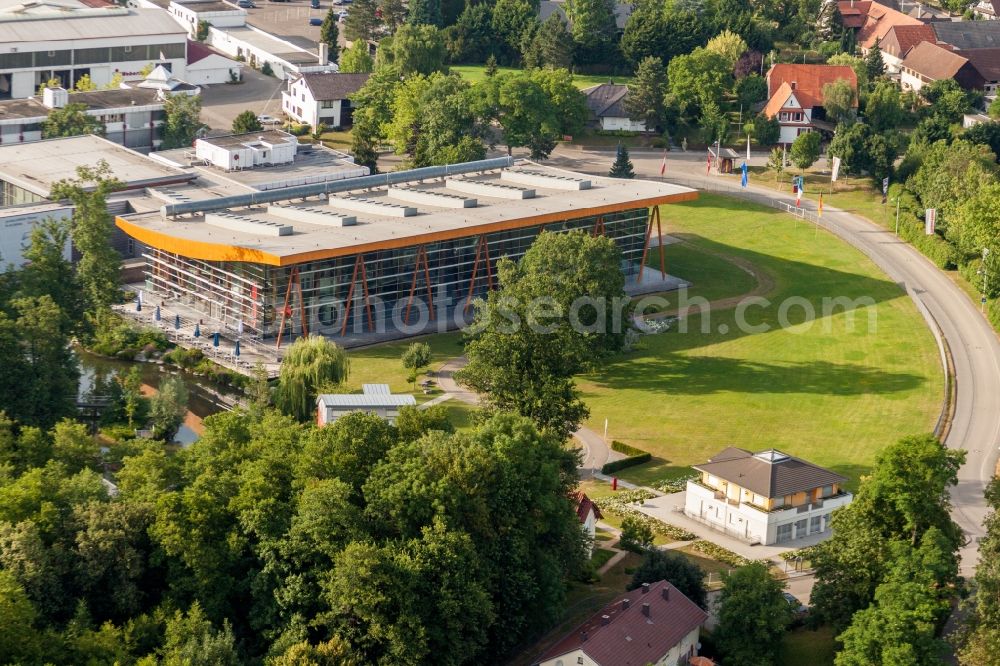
(645,244)
(599,226)
(421,255)
(350,295)
(489,264)
(284,309)
(475,269)
(659,243)
(364,289)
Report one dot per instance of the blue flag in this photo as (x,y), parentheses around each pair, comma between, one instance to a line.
(743,179)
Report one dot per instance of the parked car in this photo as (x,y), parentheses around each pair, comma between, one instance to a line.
(797,606)
(342,16)
(246,4)
(315,4)
(265,119)
(315,21)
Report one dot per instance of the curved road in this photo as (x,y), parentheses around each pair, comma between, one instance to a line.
(974,346)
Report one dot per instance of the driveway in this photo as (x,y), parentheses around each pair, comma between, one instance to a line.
(222,102)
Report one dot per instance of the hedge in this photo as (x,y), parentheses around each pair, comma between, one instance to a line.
(622,447)
(631,461)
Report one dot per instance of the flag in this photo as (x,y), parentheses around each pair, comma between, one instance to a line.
(743,178)
(885,189)
(708,167)
(798,198)
(663,164)
(819,210)
(836,170)
(748,147)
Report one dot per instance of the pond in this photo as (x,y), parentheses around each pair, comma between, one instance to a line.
(202,399)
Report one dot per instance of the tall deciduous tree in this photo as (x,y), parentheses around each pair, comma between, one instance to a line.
(92,226)
(729,45)
(593,29)
(183,120)
(568,103)
(356,59)
(528,346)
(523,110)
(884,108)
(71,120)
(839,100)
(980,645)
(414,49)
(425,12)
(805,150)
(684,574)
(311,364)
(753,616)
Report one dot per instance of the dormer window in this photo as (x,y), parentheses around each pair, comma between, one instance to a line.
(793,85)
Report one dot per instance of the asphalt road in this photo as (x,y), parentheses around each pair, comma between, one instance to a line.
(975,348)
(222,102)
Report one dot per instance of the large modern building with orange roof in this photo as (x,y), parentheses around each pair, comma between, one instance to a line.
(389,254)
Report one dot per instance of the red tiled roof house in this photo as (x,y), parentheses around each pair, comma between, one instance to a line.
(795,95)
(589,514)
(654,624)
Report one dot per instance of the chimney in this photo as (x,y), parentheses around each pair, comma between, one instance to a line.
(626,603)
(605,620)
(645,588)
(55,98)
(666,593)
(583,636)
(324,53)
(645,609)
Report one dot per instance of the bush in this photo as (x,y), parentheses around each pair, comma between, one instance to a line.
(298,129)
(637,535)
(618,505)
(717,552)
(183,358)
(117,337)
(624,463)
(671,486)
(266,69)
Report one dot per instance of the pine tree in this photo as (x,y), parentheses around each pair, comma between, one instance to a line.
(874,63)
(328,34)
(622,168)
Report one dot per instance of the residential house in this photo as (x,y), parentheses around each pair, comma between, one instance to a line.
(795,96)
(768,497)
(987,10)
(606,103)
(654,624)
(374,399)
(927,62)
(968,35)
(987,63)
(132,117)
(206,66)
(322,97)
(871,20)
(899,41)
(588,513)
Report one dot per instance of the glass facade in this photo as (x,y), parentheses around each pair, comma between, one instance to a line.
(256,294)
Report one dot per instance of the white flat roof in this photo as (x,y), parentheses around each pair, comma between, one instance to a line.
(378,228)
(94,24)
(37,166)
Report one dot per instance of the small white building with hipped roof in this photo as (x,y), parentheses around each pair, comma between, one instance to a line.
(374,399)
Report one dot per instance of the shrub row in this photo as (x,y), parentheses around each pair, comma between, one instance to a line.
(627,449)
(671,486)
(631,461)
(717,552)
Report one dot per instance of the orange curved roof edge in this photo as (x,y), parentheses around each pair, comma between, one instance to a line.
(223,252)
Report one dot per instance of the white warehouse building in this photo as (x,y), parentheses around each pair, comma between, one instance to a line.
(66,40)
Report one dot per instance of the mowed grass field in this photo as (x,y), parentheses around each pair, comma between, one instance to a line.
(476,73)
(834,390)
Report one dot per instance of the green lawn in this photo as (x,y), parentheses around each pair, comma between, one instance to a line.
(804,646)
(827,393)
(710,275)
(475,73)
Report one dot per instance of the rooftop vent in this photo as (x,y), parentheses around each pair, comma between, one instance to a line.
(488,189)
(323,217)
(626,603)
(545,180)
(645,609)
(666,593)
(605,620)
(431,198)
(645,588)
(248,225)
(372,207)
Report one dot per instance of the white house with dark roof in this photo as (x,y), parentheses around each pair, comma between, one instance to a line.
(606,103)
(322,97)
(374,399)
(767,497)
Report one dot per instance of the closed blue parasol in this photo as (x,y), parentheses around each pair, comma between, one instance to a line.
(177,322)
(157,316)
(215,339)
(197,331)
(236,350)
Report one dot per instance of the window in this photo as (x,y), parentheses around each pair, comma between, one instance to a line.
(579,660)
(784,115)
(778,502)
(800,528)
(815,524)
(784,532)
(798,117)
(826,491)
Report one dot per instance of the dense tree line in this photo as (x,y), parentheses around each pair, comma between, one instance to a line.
(269,540)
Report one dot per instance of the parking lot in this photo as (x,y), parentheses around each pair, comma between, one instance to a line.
(290,20)
(222,102)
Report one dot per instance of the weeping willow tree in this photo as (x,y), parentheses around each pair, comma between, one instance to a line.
(311,364)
